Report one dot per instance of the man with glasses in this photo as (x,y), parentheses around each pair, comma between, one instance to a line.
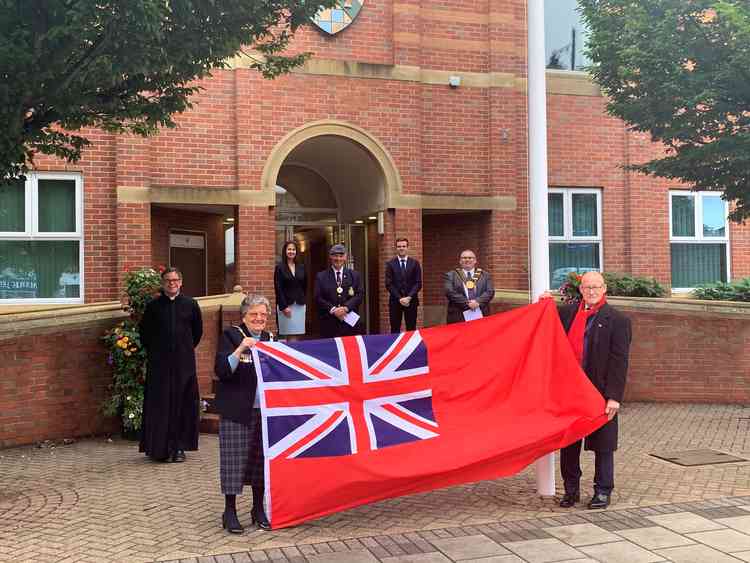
(600,338)
(468,290)
(170,330)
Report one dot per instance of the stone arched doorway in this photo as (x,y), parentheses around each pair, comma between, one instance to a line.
(332,181)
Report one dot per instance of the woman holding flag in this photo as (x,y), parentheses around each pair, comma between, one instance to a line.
(240,442)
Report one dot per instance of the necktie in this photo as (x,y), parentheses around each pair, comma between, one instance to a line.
(403,265)
(338,277)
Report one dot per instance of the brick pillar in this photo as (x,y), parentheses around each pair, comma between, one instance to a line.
(133,170)
(133,236)
(255,253)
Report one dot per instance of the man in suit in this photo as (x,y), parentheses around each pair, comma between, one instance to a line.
(600,337)
(403,280)
(467,288)
(338,292)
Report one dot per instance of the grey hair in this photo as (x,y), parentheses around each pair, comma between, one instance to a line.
(251,301)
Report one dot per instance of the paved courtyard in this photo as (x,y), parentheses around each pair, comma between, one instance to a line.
(99,500)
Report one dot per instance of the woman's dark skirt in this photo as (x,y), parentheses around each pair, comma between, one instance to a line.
(240,454)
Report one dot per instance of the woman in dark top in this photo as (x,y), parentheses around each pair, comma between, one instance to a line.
(240,441)
(290,285)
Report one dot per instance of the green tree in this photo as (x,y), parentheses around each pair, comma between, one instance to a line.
(123,65)
(680,70)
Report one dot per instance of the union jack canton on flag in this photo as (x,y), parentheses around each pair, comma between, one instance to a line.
(338,397)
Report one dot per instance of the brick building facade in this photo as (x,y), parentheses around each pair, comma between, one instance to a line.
(367,142)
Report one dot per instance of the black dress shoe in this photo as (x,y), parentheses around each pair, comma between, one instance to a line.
(231,523)
(259,518)
(599,500)
(178,456)
(569,499)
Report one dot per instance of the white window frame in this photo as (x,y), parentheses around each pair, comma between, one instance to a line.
(699,238)
(567,235)
(31,230)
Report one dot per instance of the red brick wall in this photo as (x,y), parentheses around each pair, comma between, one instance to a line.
(54,391)
(444,237)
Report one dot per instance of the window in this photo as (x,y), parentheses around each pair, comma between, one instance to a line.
(41,239)
(564,35)
(575,232)
(699,238)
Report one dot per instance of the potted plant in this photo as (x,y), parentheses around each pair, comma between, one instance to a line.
(126,355)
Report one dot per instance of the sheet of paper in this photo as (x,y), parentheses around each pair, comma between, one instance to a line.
(351,318)
(472,315)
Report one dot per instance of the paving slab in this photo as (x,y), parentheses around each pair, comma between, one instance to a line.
(469,547)
(739,523)
(359,556)
(620,552)
(695,554)
(418,558)
(582,534)
(685,522)
(723,540)
(654,537)
(543,551)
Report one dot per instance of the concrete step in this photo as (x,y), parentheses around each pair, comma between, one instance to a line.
(209,423)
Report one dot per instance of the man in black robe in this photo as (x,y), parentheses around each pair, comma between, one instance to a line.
(170,330)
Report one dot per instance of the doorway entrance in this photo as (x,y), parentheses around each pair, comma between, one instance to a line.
(314,236)
(187,253)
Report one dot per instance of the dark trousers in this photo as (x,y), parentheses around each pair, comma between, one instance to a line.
(604,469)
(397,311)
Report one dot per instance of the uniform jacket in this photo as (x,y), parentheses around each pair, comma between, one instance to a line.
(403,284)
(457,300)
(235,391)
(605,361)
(289,288)
(327,298)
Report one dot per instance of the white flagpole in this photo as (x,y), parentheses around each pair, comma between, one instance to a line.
(538,243)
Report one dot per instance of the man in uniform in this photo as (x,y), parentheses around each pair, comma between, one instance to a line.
(170,330)
(600,337)
(338,292)
(403,280)
(467,288)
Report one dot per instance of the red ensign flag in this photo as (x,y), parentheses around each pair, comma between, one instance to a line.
(352,420)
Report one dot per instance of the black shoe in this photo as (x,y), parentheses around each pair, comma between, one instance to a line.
(599,500)
(569,499)
(231,523)
(178,456)
(259,518)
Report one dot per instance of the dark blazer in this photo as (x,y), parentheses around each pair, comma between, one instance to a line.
(289,288)
(403,284)
(457,300)
(605,361)
(326,298)
(235,391)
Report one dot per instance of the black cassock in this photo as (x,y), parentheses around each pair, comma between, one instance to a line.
(170,331)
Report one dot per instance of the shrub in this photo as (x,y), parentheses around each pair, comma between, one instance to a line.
(126,355)
(618,285)
(722,291)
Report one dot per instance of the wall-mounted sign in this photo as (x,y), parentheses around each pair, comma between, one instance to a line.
(333,20)
(180,240)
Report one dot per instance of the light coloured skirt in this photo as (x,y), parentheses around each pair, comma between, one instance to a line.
(294,324)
